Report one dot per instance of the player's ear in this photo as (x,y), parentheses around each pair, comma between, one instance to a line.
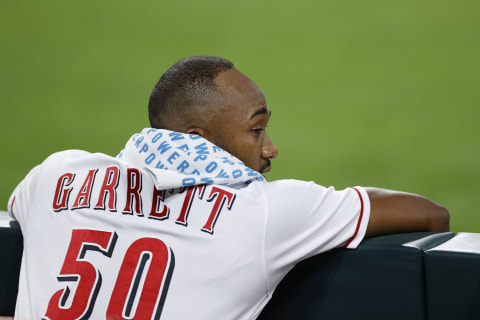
(197,131)
(205,133)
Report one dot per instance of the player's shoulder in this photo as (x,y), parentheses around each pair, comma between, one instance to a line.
(291,185)
(77,155)
(76,158)
(285,189)
(65,154)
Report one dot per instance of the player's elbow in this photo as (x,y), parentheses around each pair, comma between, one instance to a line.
(439,219)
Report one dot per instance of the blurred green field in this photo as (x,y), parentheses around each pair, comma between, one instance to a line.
(362,92)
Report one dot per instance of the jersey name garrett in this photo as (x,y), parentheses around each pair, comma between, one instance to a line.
(106,196)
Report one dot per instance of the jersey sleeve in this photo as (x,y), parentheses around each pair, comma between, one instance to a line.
(305,219)
(30,188)
(20,200)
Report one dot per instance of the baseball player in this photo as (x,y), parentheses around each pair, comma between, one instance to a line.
(182,224)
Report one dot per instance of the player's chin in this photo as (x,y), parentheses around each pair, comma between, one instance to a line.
(266,167)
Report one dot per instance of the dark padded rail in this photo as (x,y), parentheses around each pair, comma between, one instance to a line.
(11,246)
(382,279)
(453,278)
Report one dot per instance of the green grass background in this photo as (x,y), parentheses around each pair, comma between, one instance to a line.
(373,93)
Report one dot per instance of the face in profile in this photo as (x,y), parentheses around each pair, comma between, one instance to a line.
(239,125)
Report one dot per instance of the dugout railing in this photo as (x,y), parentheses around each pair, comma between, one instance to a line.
(412,276)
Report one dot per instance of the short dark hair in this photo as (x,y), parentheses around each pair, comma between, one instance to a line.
(188,83)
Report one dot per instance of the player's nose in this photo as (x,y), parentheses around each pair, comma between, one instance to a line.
(269,150)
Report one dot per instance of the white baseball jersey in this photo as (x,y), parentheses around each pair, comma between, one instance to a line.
(102,241)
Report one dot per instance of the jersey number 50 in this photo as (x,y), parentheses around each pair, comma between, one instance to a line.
(126,301)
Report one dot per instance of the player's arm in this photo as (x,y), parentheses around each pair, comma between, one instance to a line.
(395,212)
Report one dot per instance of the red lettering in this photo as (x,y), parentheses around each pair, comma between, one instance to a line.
(201,191)
(83,196)
(149,258)
(109,188)
(78,269)
(157,201)
(187,203)
(221,196)
(134,186)
(60,201)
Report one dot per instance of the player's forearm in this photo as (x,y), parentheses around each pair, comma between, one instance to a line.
(394,212)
